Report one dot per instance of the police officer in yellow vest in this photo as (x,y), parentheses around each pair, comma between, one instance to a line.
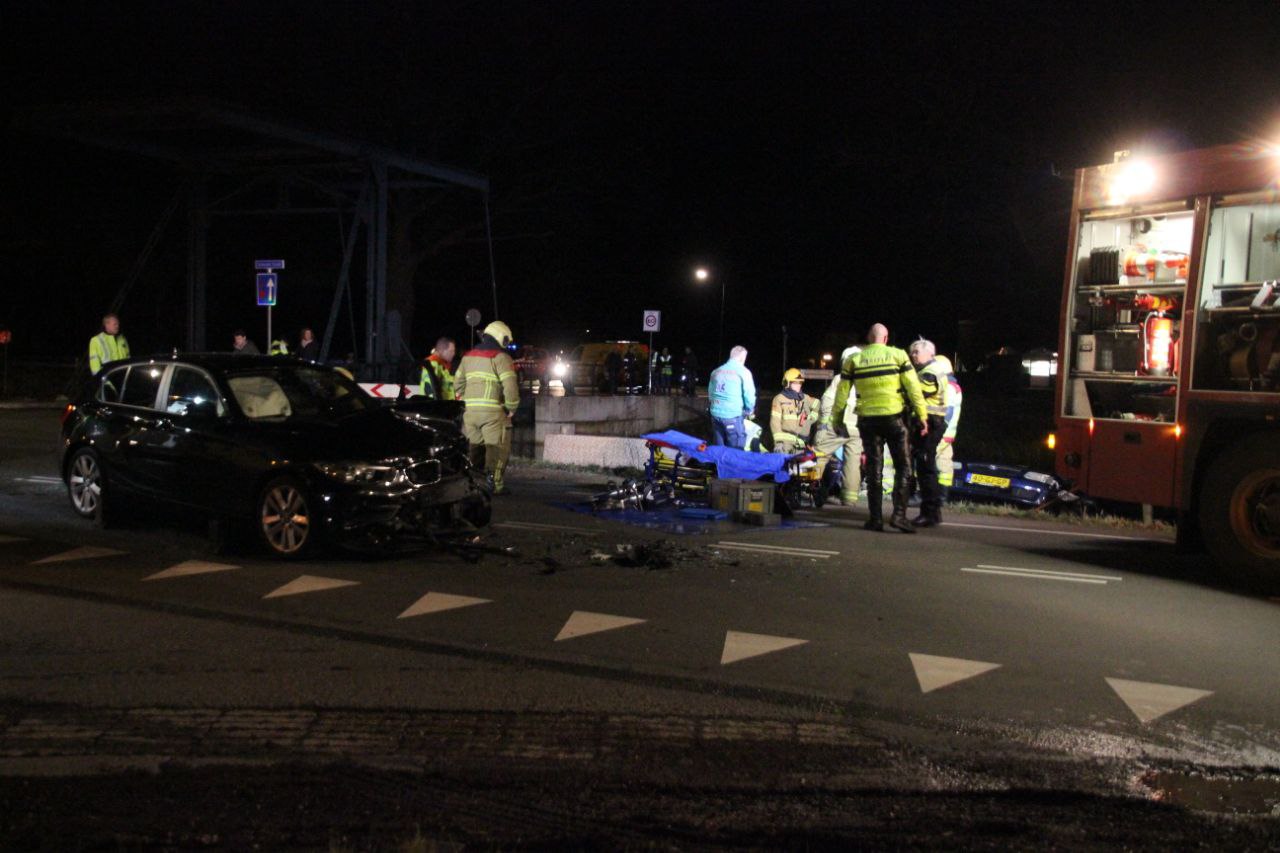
(108,345)
(486,382)
(936,391)
(882,376)
(792,415)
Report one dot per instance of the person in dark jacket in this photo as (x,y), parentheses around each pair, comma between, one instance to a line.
(612,371)
(308,346)
(689,366)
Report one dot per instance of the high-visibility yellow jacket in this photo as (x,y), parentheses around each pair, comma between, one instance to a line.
(955,399)
(790,418)
(935,388)
(104,348)
(881,375)
(486,380)
(436,378)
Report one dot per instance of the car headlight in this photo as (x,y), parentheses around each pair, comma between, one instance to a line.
(560,370)
(1047,479)
(362,473)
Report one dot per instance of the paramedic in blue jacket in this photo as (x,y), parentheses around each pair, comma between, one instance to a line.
(733,397)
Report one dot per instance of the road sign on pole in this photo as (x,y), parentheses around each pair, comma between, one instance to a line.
(269,265)
(268,288)
(652,321)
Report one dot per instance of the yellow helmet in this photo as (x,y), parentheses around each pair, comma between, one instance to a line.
(500,332)
(792,375)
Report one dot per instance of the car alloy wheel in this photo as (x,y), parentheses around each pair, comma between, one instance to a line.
(84,483)
(284,517)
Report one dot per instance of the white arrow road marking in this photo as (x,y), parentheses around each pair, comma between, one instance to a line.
(190,567)
(582,622)
(88,552)
(777,550)
(740,646)
(1150,701)
(436,602)
(933,671)
(529,525)
(308,583)
(1041,574)
(5,539)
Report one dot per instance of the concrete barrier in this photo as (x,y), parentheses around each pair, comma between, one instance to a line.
(621,416)
(603,450)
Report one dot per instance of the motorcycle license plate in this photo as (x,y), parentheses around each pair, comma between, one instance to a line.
(985,480)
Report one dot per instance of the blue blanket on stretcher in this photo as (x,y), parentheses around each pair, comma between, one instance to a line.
(730,463)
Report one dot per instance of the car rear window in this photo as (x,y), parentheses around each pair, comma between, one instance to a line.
(112,385)
(142,385)
(190,390)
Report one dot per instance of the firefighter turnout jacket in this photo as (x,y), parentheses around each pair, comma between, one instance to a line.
(791,418)
(104,348)
(486,380)
(881,376)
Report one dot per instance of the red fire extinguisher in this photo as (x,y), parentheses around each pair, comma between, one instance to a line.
(1157,345)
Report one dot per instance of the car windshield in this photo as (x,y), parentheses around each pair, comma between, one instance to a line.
(296,392)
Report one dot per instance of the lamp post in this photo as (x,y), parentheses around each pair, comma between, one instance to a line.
(703,274)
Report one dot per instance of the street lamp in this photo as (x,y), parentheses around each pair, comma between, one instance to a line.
(703,274)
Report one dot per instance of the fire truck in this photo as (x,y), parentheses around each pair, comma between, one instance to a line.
(1169,395)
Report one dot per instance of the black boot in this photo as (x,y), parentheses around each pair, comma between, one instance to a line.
(873,524)
(923,520)
(899,521)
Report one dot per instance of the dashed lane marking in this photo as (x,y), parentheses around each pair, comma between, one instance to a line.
(88,552)
(308,583)
(583,622)
(1039,531)
(1042,574)
(6,539)
(437,602)
(47,481)
(933,671)
(778,550)
(739,645)
(1149,701)
(190,567)
(530,525)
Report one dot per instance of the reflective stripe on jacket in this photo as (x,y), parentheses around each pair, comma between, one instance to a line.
(881,375)
(486,381)
(104,348)
(935,388)
(788,417)
(436,381)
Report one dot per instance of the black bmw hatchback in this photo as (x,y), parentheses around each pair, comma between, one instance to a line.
(295,448)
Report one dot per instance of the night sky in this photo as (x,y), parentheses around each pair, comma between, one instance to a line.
(836,164)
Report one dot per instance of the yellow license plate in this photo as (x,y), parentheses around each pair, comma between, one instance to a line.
(984,480)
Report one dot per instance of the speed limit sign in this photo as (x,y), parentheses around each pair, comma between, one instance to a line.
(652,321)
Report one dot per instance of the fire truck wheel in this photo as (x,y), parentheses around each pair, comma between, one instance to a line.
(1240,512)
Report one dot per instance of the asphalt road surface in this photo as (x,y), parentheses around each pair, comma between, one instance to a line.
(580,681)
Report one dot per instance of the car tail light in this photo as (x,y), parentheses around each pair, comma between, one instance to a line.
(66,413)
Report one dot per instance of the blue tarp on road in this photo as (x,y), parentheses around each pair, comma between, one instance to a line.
(730,463)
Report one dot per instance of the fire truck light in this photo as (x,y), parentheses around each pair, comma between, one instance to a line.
(1052,441)
(1177,430)
(1090,426)
(1132,178)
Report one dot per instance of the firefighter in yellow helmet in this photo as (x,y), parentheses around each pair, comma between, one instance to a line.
(792,415)
(486,382)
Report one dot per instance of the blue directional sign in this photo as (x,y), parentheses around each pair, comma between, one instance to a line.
(269,265)
(268,288)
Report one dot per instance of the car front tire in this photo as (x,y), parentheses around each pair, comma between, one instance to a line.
(87,488)
(284,518)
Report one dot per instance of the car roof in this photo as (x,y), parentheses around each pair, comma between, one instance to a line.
(219,361)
